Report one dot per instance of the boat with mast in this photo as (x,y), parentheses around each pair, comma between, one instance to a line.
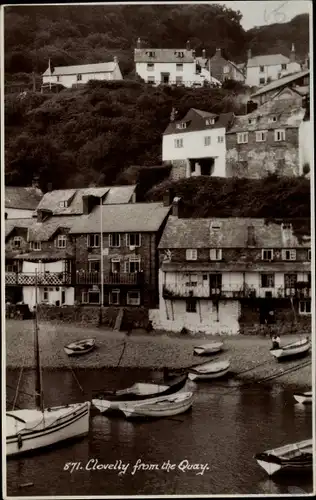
(31,429)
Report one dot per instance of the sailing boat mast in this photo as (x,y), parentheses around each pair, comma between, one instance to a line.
(38,376)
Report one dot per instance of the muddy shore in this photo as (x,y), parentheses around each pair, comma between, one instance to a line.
(249,355)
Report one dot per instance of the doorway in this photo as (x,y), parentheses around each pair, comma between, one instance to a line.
(165,77)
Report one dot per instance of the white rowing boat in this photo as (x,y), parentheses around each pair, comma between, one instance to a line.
(79,347)
(209,370)
(294,457)
(164,407)
(295,349)
(304,397)
(211,348)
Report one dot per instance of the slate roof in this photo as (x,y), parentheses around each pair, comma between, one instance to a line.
(163,55)
(281,82)
(232,233)
(267,60)
(45,255)
(133,217)
(196,120)
(11,224)
(107,67)
(289,114)
(26,198)
(120,194)
(44,231)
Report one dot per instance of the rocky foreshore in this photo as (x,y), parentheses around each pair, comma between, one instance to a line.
(249,355)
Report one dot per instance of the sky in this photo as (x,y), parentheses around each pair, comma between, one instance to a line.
(257,13)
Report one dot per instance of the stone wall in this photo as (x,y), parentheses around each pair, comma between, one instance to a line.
(179,169)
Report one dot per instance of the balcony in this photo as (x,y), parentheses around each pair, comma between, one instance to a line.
(42,279)
(94,278)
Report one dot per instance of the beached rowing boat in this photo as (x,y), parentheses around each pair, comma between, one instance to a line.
(294,457)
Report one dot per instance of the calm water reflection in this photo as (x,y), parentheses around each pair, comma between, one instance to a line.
(224,429)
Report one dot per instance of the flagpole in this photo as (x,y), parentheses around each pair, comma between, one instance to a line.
(101,246)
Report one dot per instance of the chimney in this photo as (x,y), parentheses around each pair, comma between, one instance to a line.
(188,46)
(193,53)
(138,44)
(292,54)
(173,114)
(168,198)
(204,54)
(115,59)
(249,54)
(251,240)
(35,183)
(49,187)
(176,207)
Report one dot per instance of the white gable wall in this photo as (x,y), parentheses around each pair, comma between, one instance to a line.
(17,213)
(188,73)
(253,74)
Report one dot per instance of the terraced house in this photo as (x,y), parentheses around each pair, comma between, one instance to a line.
(217,274)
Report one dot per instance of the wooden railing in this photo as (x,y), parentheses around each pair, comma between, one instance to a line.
(46,278)
(94,278)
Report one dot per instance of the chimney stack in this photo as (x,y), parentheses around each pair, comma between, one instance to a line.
(138,44)
(188,47)
(173,114)
(292,54)
(115,59)
(35,183)
(251,240)
(176,207)
(249,54)
(193,53)
(204,54)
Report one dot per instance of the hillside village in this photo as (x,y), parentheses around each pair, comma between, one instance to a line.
(106,253)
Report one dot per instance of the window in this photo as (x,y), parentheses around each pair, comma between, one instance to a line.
(279,154)
(91,296)
(134,264)
(35,245)
(179,54)
(252,121)
(57,78)
(179,67)
(150,53)
(178,143)
(150,66)
(93,240)
(63,204)
(305,307)
(272,119)
(309,255)
(179,80)
(192,280)
(133,298)
(210,121)
(220,138)
(191,254)
(61,241)
(288,254)
(226,69)
(79,77)
(45,295)
(191,305)
(290,280)
(267,280)
(215,225)
(16,242)
(114,297)
(94,266)
(242,137)
(267,255)
(115,265)
(133,240)
(283,66)
(261,135)
(262,81)
(279,135)
(207,140)
(216,254)
(181,125)
(261,69)
(151,79)
(115,240)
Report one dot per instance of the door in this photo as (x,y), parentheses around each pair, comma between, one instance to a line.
(63,296)
(215,283)
(165,78)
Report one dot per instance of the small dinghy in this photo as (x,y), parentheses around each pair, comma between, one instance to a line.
(206,349)
(163,407)
(295,457)
(304,397)
(79,347)
(137,393)
(295,349)
(210,370)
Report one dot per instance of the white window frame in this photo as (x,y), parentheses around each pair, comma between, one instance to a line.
(302,310)
(181,125)
(16,239)
(283,68)
(93,240)
(63,203)
(179,66)
(178,143)
(36,246)
(279,135)
(267,274)
(210,121)
(79,77)
(288,254)
(150,79)
(215,254)
(45,295)
(261,135)
(220,139)
(269,251)
(272,119)
(61,238)
(133,302)
(84,297)
(150,67)
(128,240)
(114,292)
(242,137)
(135,260)
(112,237)
(115,260)
(226,69)
(262,80)
(94,291)
(191,254)
(261,69)
(192,280)
(207,140)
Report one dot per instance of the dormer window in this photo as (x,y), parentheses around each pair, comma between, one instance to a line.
(210,121)
(272,119)
(16,242)
(286,225)
(181,125)
(35,245)
(150,53)
(252,121)
(179,54)
(215,226)
(61,241)
(63,204)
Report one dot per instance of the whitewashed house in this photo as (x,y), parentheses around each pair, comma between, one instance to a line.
(81,74)
(261,70)
(196,144)
(21,202)
(171,66)
(215,271)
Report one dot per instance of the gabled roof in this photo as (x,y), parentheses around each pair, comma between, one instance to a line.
(267,60)
(48,255)
(120,194)
(281,82)
(133,217)
(26,198)
(163,55)
(196,120)
(232,232)
(44,231)
(11,224)
(107,67)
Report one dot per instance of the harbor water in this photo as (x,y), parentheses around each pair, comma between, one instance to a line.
(208,450)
